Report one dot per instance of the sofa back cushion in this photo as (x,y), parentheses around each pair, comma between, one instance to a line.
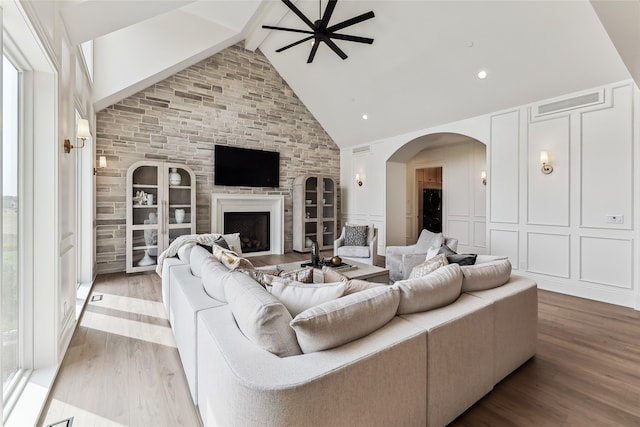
(346,319)
(437,289)
(261,317)
(488,275)
(213,277)
(197,256)
(298,296)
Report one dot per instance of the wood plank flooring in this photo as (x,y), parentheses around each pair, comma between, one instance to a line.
(122,367)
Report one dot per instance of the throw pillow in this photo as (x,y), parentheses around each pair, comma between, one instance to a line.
(304,275)
(298,297)
(330,275)
(440,288)
(261,317)
(355,235)
(262,276)
(229,258)
(356,285)
(485,276)
(233,241)
(346,319)
(454,258)
(430,265)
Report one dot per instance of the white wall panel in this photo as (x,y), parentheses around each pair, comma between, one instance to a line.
(607,162)
(504,162)
(607,261)
(505,242)
(549,254)
(479,233)
(460,230)
(480,190)
(456,185)
(548,202)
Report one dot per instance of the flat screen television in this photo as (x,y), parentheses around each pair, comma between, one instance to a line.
(246,167)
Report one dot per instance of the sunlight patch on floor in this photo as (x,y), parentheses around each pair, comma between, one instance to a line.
(60,410)
(129,328)
(131,305)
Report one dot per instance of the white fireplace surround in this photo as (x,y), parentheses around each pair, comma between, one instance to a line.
(274,204)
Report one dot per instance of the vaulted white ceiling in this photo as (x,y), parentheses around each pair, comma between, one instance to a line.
(421,70)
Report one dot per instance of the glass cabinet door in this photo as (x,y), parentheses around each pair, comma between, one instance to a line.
(179,202)
(311,212)
(328,212)
(146,218)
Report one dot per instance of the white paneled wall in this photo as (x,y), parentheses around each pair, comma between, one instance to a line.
(565,238)
(555,228)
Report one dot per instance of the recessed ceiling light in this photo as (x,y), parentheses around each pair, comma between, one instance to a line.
(482,75)
(365,117)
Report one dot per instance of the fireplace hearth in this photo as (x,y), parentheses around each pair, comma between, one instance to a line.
(254,229)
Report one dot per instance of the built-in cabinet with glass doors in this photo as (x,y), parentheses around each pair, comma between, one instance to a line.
(161,205)
(314,212)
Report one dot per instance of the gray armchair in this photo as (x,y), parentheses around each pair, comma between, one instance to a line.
(400,260)
(365,254)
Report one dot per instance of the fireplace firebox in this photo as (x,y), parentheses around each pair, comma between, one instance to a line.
(254,229)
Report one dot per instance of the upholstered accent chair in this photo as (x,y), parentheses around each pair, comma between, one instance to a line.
(400,260)
(364,251)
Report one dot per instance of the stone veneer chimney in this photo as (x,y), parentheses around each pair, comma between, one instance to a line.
(232,98)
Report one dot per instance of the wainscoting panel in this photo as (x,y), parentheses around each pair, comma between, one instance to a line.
(505,242)
(479,233)
(549,254)
(548,202)
(607,261)
(460,230)
(504,160)
(607,163)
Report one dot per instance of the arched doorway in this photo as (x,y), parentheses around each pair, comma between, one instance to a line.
(439,173)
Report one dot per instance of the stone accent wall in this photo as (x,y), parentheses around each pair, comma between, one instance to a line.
(233,98)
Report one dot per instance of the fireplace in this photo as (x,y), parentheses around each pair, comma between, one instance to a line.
(222,203)
(253,228)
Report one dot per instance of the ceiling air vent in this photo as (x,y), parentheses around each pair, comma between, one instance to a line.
(362,149)
(570,103)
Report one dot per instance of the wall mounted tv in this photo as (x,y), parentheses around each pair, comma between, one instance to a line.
(246,167)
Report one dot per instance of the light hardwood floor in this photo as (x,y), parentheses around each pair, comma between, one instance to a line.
(122,367)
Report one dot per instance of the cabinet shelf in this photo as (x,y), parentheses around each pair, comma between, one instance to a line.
(145,186)
(320,190)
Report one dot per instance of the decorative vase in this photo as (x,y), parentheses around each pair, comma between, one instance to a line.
(308,242)
(179,215)
(174,177)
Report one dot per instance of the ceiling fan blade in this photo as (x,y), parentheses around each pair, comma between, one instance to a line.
(295,10)
(293,30)
(314,49)
(294,44)
(351,38)
(327,13)
(350,22)
(334,47)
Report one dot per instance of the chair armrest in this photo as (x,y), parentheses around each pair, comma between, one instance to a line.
(409,261)
(401,250)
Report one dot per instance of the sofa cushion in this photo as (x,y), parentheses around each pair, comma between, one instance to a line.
(428,266)
(298,296)
(184,253)
(428,239)
(485,276)
(213,274)
(330,275)
(196,257)
(261,317)
(346,319)
(357,285)
(440,288)
(355,235)
(353,251)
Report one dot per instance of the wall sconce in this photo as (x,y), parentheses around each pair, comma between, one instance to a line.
(546,165)
(358,180)
(83,133)
(483,177)
(102,163)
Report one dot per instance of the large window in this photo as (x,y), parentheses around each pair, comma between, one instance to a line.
(10,284)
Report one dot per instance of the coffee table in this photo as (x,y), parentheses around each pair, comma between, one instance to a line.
(358,270)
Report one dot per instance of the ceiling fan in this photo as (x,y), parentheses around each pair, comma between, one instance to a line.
(321,32)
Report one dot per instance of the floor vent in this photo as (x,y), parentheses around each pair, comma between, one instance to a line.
(96,298)
(362,149)
(570,103)
(63,423)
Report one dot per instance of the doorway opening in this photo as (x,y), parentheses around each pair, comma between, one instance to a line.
(429,189)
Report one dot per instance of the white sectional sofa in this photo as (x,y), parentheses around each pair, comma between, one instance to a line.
(419,369)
